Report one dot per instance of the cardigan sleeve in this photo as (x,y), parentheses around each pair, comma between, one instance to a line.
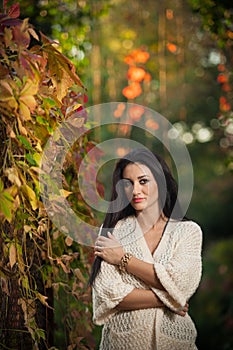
(180,271)
(108,291)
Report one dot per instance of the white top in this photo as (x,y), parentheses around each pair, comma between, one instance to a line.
(177,263)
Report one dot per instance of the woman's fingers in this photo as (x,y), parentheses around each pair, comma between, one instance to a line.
(108,242)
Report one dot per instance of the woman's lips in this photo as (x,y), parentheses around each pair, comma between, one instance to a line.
(138,200)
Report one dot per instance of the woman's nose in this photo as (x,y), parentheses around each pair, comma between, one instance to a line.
(136,188)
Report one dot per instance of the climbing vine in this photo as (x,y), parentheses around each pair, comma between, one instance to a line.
(39,89)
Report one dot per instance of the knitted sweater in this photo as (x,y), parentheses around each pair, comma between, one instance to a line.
(177,263)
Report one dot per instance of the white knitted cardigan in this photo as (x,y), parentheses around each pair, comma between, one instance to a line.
(177,263)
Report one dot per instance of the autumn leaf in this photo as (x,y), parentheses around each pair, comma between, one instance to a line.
(21,35)
(62,71)
(69,241)
(14,11)
(13,176)
(65,193)
(42,299)
(27,102)
(6,205)
(64,267)
(30,195)
(12,255)
(7,94)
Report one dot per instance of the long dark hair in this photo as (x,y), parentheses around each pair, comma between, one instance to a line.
(120,207)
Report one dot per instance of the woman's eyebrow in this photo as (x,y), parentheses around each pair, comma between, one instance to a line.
(139,177)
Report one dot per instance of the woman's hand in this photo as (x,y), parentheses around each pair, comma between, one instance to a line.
(183,310)
(109,249)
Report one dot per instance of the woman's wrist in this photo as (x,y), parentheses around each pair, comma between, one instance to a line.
(124,261)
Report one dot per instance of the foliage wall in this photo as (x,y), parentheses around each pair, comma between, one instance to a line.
(39,89)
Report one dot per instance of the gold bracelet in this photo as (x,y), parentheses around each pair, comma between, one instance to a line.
(124,261)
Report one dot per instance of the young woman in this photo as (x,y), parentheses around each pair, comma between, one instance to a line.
(148,261)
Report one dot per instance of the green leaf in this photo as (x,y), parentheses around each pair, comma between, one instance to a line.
(25,142)
(30,159)
(42,121)
(49,101)
(1,185)
(6,205)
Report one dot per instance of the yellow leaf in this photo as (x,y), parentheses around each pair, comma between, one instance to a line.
(22,129)
(13,176)
(27,228)
(72,108)
(7,94)
(65,193)
(12,255)
(30,88)
(27,102)
(33,33)
(38,147)
(25,112)
(31,196)
(42,299)
(37,158)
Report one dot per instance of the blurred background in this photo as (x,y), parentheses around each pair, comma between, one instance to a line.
(175,57)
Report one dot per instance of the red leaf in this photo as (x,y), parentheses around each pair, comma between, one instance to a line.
(6,21)
(14,11)
(5,4)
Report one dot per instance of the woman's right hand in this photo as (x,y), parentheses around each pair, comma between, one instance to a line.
(183,310)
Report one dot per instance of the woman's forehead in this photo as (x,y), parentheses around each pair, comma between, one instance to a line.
(136,169)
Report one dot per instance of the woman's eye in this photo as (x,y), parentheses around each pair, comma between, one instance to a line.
(144,181)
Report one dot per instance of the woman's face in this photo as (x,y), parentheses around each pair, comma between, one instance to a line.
(140,186)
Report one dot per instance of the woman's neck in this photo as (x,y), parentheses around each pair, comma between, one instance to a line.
(149,217)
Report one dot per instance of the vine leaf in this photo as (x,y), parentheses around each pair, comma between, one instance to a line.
(12,255)
(6,203)
(62,71)
(30,195)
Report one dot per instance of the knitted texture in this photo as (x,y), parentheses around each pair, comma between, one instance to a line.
(177,263)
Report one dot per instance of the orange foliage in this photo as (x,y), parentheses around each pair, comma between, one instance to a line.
(124,128)
(136,74)
(131,91)
(151,124)
(119,111)
(221,67)
(147,77)
(172,47)
(137,56)
(222,78)
(226,87)
(135,112)
(224,105)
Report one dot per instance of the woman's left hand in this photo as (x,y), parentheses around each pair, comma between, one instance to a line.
(109,249)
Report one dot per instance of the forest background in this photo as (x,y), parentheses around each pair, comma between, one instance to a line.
(186,65)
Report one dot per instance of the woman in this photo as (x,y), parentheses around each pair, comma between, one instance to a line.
(148,261)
